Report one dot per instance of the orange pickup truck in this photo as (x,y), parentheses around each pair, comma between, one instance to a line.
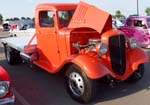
(79,41)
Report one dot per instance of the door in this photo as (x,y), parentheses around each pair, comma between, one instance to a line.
(47,38)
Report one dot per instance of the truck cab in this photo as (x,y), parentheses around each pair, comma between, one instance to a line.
(51,26)
(69,38)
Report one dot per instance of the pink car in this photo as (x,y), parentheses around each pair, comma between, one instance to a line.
(1,27)
(139,28)
(6,96)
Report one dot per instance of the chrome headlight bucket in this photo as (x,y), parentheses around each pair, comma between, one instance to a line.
(132,43)
(102,48)
(4,88)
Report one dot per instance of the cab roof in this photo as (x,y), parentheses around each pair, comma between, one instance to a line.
(139,17)
(57,6)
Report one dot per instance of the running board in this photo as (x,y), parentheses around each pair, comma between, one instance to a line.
(25,56)
(30,58)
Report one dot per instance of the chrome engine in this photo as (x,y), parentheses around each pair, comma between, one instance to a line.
(91,45)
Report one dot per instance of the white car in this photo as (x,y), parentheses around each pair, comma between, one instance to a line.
(117,22)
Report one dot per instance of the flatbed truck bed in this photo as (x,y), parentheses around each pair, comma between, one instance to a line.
(19,43)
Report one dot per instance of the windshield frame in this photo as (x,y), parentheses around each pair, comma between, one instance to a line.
(65,25)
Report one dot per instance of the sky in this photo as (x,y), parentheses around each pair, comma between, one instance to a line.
(26,8)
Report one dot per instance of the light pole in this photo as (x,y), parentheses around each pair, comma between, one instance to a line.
(137,7)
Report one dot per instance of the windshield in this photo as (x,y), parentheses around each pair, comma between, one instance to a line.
(65,17)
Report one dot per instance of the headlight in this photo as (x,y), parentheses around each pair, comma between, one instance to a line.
(102,48)
(132,43)
(4,88)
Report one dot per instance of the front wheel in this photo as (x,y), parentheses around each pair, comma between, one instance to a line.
(79,86)
(137,75)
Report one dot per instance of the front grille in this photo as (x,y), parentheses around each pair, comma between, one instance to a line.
(117,54)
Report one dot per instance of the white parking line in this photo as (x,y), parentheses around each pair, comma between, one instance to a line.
(21,99)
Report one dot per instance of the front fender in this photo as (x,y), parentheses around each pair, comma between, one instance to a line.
(4,75)
(91,66)
(137,57)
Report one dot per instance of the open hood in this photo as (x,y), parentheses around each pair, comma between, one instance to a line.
(88,16)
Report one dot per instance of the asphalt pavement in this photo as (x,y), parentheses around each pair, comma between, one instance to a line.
(34,86)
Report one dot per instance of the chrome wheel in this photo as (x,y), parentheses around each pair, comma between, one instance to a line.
(76,84)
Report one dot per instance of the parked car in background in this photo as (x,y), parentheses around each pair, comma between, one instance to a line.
(122,20)
(14,27)
(139,28)
(1,27)
(26,29)
(6,96)
(6,27)
(117,22)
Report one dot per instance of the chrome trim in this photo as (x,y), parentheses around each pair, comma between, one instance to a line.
(7,100)
(25,56)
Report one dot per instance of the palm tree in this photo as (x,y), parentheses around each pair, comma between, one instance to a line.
(118,14)
(147,11)
(1,19)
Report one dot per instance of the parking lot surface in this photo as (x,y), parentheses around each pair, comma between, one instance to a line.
(34,86)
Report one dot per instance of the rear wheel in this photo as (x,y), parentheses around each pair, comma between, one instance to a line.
(79,86)
(12,55)
(137,75)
